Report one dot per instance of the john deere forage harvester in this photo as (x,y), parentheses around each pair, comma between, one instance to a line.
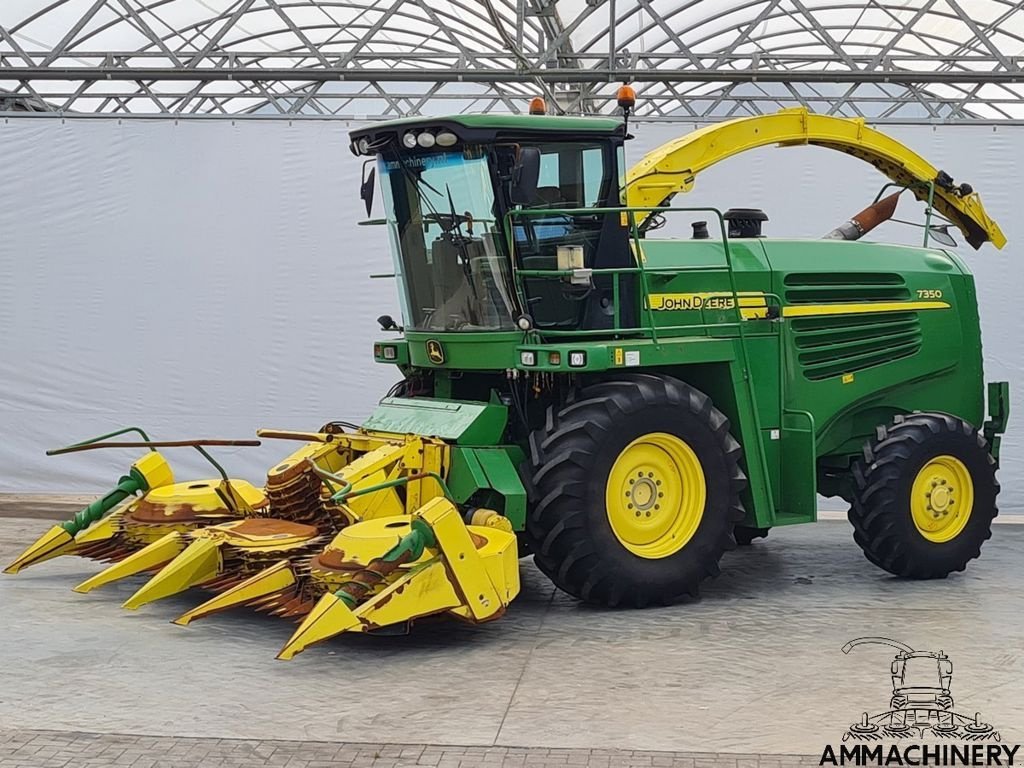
(622,406)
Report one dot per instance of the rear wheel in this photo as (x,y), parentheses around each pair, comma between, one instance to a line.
(925,496)
(635,492)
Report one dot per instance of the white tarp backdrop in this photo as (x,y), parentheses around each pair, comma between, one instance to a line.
(203,278)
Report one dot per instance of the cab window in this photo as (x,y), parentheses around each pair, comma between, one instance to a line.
(571,176)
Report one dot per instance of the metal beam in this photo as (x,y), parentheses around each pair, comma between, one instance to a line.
(349,58)
(129,67)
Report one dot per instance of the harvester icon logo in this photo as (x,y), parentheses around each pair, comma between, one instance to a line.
(921,706)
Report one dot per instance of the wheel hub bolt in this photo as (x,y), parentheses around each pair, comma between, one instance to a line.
(642,495)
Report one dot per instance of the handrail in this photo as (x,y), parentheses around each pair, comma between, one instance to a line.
(645,286)
(641,269)
(626,270)
(639,330)
(630,213)
(929,202)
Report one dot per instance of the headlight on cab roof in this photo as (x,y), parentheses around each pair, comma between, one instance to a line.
(428,139)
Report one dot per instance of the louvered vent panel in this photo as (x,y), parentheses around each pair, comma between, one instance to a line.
(831,345)
(832,287)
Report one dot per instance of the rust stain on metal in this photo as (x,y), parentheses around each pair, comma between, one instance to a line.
(367,579)
(334,560)
(269,526)
(145,511)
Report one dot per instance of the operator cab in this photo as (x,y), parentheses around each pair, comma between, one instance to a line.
(463,194)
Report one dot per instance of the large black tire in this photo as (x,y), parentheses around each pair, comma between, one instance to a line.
(882,517)
(568,526)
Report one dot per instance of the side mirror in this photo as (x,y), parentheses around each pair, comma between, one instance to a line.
(940,234)
(387,323)
(525,176)
(367,186)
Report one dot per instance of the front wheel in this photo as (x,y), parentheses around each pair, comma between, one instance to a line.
(925,496)
(636,489)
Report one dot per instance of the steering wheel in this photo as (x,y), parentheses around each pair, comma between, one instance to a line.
(449,222)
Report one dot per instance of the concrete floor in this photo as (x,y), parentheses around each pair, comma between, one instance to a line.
(755,667)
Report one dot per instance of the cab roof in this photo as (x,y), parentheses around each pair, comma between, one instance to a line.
(513,122)
(495,127)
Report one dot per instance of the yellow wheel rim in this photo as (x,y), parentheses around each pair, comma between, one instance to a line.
(655,495)
(942,498)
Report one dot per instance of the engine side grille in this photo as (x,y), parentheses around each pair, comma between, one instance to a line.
(833,287)
(833,344)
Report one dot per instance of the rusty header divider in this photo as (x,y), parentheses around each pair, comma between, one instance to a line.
(117,433)
(88,446)
(154,444)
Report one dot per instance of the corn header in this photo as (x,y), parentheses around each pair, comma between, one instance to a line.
(353,532)
(625,407)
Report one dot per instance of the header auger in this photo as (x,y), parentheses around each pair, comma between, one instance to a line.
(622,406)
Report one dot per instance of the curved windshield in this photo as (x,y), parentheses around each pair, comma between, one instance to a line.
(448,253)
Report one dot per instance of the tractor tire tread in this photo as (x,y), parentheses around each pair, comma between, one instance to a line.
(559,468)
(879,512)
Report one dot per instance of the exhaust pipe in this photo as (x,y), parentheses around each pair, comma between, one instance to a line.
(866,220)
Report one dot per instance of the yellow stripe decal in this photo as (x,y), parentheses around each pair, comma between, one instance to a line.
(817,310)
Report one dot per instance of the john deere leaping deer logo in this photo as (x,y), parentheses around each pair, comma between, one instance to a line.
(921,706)
(435,352)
